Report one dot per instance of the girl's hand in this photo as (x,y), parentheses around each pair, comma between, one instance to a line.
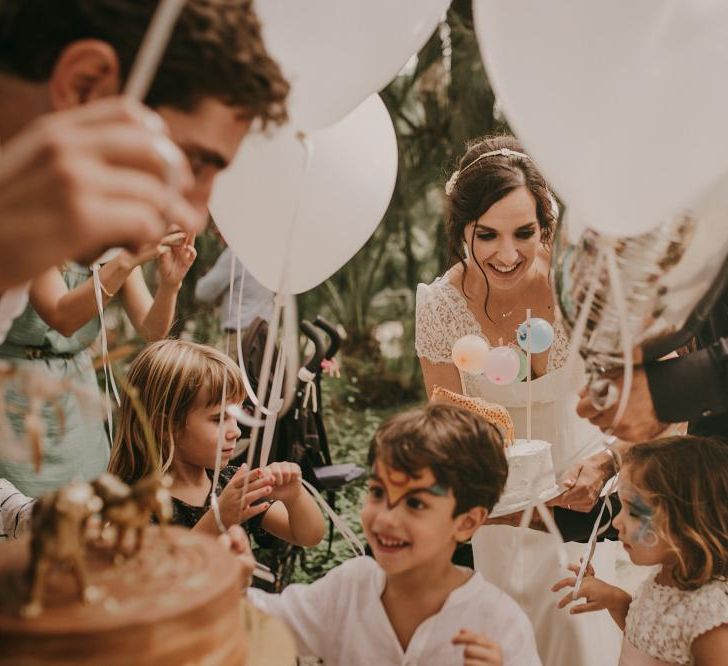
(175,261)
(286,481)
(236,540)
(236,509)
(479,651)
(598,594)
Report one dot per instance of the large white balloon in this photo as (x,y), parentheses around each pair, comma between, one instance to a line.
(623,104)
(277,219)
(336,53)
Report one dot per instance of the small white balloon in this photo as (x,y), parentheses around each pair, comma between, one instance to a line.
(469,354)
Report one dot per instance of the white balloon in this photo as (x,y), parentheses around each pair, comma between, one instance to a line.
(275,219)
(623,104)
(336,53)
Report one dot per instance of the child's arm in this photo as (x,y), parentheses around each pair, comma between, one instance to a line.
(711,648)
(598,594)
(296,518)
(153,317)
(479,650)
(66,310)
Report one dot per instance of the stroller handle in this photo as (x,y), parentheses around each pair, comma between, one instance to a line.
(314,364)
(334,337)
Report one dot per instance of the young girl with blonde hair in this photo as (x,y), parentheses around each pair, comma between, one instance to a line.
(674,514)
(179,388)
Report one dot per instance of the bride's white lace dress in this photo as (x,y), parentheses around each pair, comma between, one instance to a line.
(527,567)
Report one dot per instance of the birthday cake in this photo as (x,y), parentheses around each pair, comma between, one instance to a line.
(175,602)
(530,474)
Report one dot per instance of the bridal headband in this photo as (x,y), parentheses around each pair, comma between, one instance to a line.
(505,152)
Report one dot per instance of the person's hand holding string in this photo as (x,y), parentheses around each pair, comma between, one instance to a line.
(597,595)
(175,259)
(236,508)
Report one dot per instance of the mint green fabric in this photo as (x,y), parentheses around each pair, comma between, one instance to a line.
(78,448)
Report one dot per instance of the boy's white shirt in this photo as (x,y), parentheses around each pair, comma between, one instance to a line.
(340,619)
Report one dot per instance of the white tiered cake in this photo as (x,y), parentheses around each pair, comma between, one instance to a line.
(530,475)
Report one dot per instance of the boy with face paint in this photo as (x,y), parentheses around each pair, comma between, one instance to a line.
(436,472)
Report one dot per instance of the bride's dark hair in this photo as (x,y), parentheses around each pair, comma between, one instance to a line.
(479,183)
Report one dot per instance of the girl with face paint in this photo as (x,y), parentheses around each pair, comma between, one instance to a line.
(674,514)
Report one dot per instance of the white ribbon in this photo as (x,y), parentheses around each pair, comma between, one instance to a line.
(351,539)
(308,377)
(108,371)
(626,343)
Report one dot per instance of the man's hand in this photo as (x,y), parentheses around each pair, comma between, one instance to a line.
(639,422)
(479,650)
(584,482)
(77,182)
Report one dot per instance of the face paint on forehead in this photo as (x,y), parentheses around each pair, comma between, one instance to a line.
(398,484)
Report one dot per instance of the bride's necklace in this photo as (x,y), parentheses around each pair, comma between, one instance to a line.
(505,315)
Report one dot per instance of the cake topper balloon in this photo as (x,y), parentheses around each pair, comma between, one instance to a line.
(502,365)
(535,335)
(470,354)
(542,335)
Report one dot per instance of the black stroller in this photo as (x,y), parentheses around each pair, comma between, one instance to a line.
(300,437)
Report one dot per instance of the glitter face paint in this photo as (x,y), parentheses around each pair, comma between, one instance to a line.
(398,485)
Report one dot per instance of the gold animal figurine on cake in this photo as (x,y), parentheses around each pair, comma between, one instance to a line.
(58,526)
(492,412)
(130,508)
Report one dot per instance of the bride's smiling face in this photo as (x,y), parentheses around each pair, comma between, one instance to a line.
(507,239)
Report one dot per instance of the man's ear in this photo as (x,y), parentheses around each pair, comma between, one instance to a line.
(466,523)
(86,70)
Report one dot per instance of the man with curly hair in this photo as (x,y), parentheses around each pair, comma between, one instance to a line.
(95,175)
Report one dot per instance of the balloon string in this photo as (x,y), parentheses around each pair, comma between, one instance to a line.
(105,361)
(352,540)
(271,419)
(152,49)
(625,337)
(528,379)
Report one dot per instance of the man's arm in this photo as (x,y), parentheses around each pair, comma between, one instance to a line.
(211,285)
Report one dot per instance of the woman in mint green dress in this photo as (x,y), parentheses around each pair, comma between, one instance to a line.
(54,335)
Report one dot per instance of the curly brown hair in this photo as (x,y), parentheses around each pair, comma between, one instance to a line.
(464,452)
(686,479)
(216,49)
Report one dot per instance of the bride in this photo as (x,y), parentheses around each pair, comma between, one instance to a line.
(500,228)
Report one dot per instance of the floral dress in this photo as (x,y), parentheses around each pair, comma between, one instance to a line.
(75,444)
(663,622)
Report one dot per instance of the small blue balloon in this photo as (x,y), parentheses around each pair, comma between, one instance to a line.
(542,335)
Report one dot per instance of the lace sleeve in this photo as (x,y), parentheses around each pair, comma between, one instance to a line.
(709,609)
(432,338)
(559,352)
